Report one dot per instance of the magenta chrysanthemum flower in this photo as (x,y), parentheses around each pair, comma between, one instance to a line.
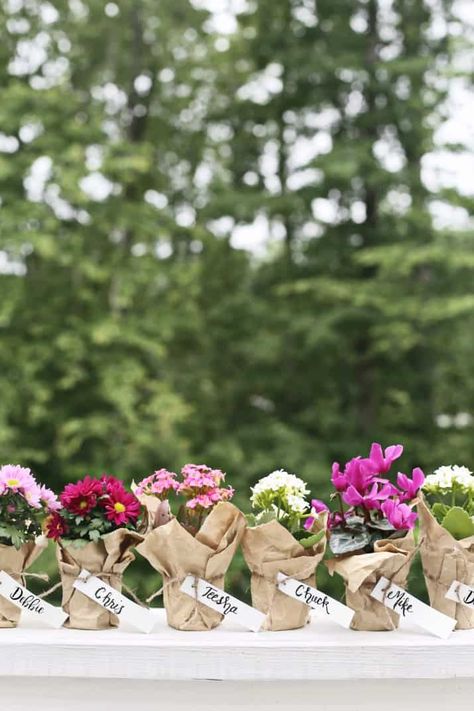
(81,497)
(121,507)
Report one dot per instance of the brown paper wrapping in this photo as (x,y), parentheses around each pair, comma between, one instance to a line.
(269,549)
(14,562)
(175,553)
(109,556)
(444,559)
(391,559)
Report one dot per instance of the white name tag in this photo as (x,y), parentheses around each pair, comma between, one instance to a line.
(110,599)
(464,594)
(322,604)
(222,602)
(410,608)
(30,603)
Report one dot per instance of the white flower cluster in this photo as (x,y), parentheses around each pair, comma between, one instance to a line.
(279,482)
(446,477)
(297,504)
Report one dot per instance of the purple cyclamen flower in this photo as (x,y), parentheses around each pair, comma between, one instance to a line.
(369,500)
(400,516)
(317,507)
(410,487)
(380,461)
(339,479)
(360,475)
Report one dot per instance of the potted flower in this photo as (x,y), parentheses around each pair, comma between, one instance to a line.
(200,540)
(96,528)
(447,538)
(284,535)
(24,506)
(371,531)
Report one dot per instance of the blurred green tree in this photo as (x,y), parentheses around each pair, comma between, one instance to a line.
(136,141)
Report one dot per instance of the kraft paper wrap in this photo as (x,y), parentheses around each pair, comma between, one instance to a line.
(109,556)
(14,562)
(444,559)
(391,559)
(175,553)
(268,550)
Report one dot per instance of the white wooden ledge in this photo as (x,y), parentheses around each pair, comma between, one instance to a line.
(61,669)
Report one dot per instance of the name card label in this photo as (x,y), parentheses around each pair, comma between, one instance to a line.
(322,604)
(222,602)
(27,601)
(409,607)
(112,600)
(464,594)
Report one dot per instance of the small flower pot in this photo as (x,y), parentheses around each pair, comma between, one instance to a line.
(270,549)
(175,553)
(444,560)
(391,559)
(107,559)
(15,563)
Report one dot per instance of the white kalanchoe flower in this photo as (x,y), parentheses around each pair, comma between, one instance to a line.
(279,481)
(297,504)
(446,477)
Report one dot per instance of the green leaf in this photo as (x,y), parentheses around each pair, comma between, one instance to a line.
(439,511)
(311,541)
(382,525)
(345,541)
(458,523)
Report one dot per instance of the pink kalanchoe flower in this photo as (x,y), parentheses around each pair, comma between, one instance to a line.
(202,500)
(161,483)
(370,500)
(200,476)
(400,516)
(410,487)
(381,461)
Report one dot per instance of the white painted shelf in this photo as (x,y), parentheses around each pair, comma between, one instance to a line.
(320,651)
(322,667)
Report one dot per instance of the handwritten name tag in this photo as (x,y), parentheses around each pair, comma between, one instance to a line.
(222,602)
(322,604)
(28,602)
(464,594)
(110,599)
(409,607)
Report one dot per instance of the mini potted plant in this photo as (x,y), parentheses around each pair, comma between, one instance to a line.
(371,531)
(24,506)
(447,538)
(96,528)
(200,540)
(284,535)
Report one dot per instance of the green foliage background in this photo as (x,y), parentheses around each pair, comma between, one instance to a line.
(133,334)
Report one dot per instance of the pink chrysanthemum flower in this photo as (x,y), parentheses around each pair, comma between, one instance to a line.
(17,479)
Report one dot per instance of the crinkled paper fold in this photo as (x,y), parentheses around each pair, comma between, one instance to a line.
(15,562)
(445,560)
(107,558)
(390,559)
(268,550)
(175,553)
